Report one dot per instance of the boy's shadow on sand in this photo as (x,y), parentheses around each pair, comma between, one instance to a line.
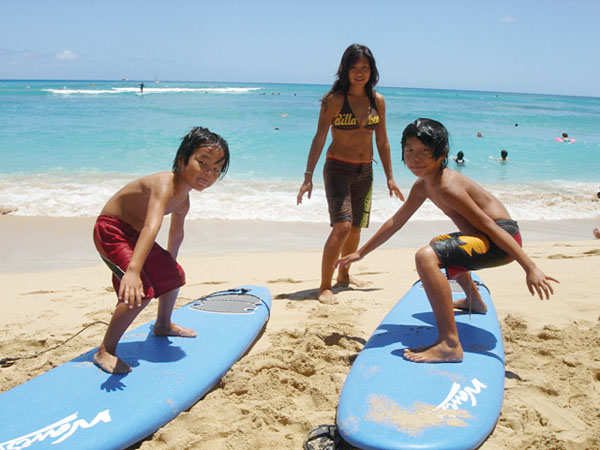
(154,349)
(415,336)
(313,294)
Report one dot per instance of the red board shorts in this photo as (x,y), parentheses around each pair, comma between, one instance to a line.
(460,253)
(116,239)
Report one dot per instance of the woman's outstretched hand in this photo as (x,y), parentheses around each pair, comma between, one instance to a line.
(305,188)
(394,189)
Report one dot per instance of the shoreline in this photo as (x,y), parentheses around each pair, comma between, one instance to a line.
(35,244)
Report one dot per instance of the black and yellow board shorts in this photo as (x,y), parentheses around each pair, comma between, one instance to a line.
(459,253)
(348,187)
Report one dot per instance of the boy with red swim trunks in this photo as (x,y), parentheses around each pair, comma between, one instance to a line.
(125,234)
(487,237)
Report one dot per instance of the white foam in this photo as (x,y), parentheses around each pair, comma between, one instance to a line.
(59,195)
(66,91)
(152,90)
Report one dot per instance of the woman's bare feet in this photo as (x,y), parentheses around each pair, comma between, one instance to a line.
(437,353)
(110,363)
(327,297)
(477,305)
(174,330)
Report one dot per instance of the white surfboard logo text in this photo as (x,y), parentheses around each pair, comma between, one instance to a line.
(457,396)
(62,430)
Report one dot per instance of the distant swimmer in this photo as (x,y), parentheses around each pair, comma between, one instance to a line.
(503,156)
(142,87)
(479,135)
(564,138)
(460,158)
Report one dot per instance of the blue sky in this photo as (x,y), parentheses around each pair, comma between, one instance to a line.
(536,46)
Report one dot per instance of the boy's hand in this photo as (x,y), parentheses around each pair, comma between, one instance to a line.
(347,260)
(131,290)
(394,189)
(306,187)
(538,280)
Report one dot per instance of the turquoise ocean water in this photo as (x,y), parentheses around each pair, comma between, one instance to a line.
(66,146)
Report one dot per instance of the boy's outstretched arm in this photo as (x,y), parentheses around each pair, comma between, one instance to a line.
(389,228)
(537,281)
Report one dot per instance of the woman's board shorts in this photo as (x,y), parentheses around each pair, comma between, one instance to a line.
(116,239)
(348,187)
(459,253)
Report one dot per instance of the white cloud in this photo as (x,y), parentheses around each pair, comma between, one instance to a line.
(508,19)
(66,55)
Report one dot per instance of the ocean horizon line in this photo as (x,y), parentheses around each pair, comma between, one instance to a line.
(131,80)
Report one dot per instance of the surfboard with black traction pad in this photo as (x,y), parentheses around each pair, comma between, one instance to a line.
(78,406)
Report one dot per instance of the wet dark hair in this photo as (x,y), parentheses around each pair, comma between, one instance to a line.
(342,82)
(200,137)
(460,155)
(431,133)
(503,154)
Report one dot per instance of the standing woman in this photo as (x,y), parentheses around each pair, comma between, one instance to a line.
(354,111)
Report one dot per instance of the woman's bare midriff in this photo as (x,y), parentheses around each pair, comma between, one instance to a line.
(353,146)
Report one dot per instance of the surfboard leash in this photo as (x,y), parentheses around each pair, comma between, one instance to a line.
(9,361)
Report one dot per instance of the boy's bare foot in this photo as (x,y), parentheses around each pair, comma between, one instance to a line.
(174,330)
(477,305)
(439,352)
(326,296)
(349,280)
(110,363)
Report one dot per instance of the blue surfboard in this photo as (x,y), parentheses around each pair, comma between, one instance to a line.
(77,406)
(388,402)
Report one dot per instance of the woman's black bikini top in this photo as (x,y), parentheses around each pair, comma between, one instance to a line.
(346,120)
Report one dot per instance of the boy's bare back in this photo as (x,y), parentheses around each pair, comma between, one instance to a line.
(462,200)
(131,203)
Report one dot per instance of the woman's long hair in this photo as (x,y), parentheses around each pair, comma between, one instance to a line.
(342,78)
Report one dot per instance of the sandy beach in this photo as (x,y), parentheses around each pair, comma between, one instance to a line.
(54,285)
